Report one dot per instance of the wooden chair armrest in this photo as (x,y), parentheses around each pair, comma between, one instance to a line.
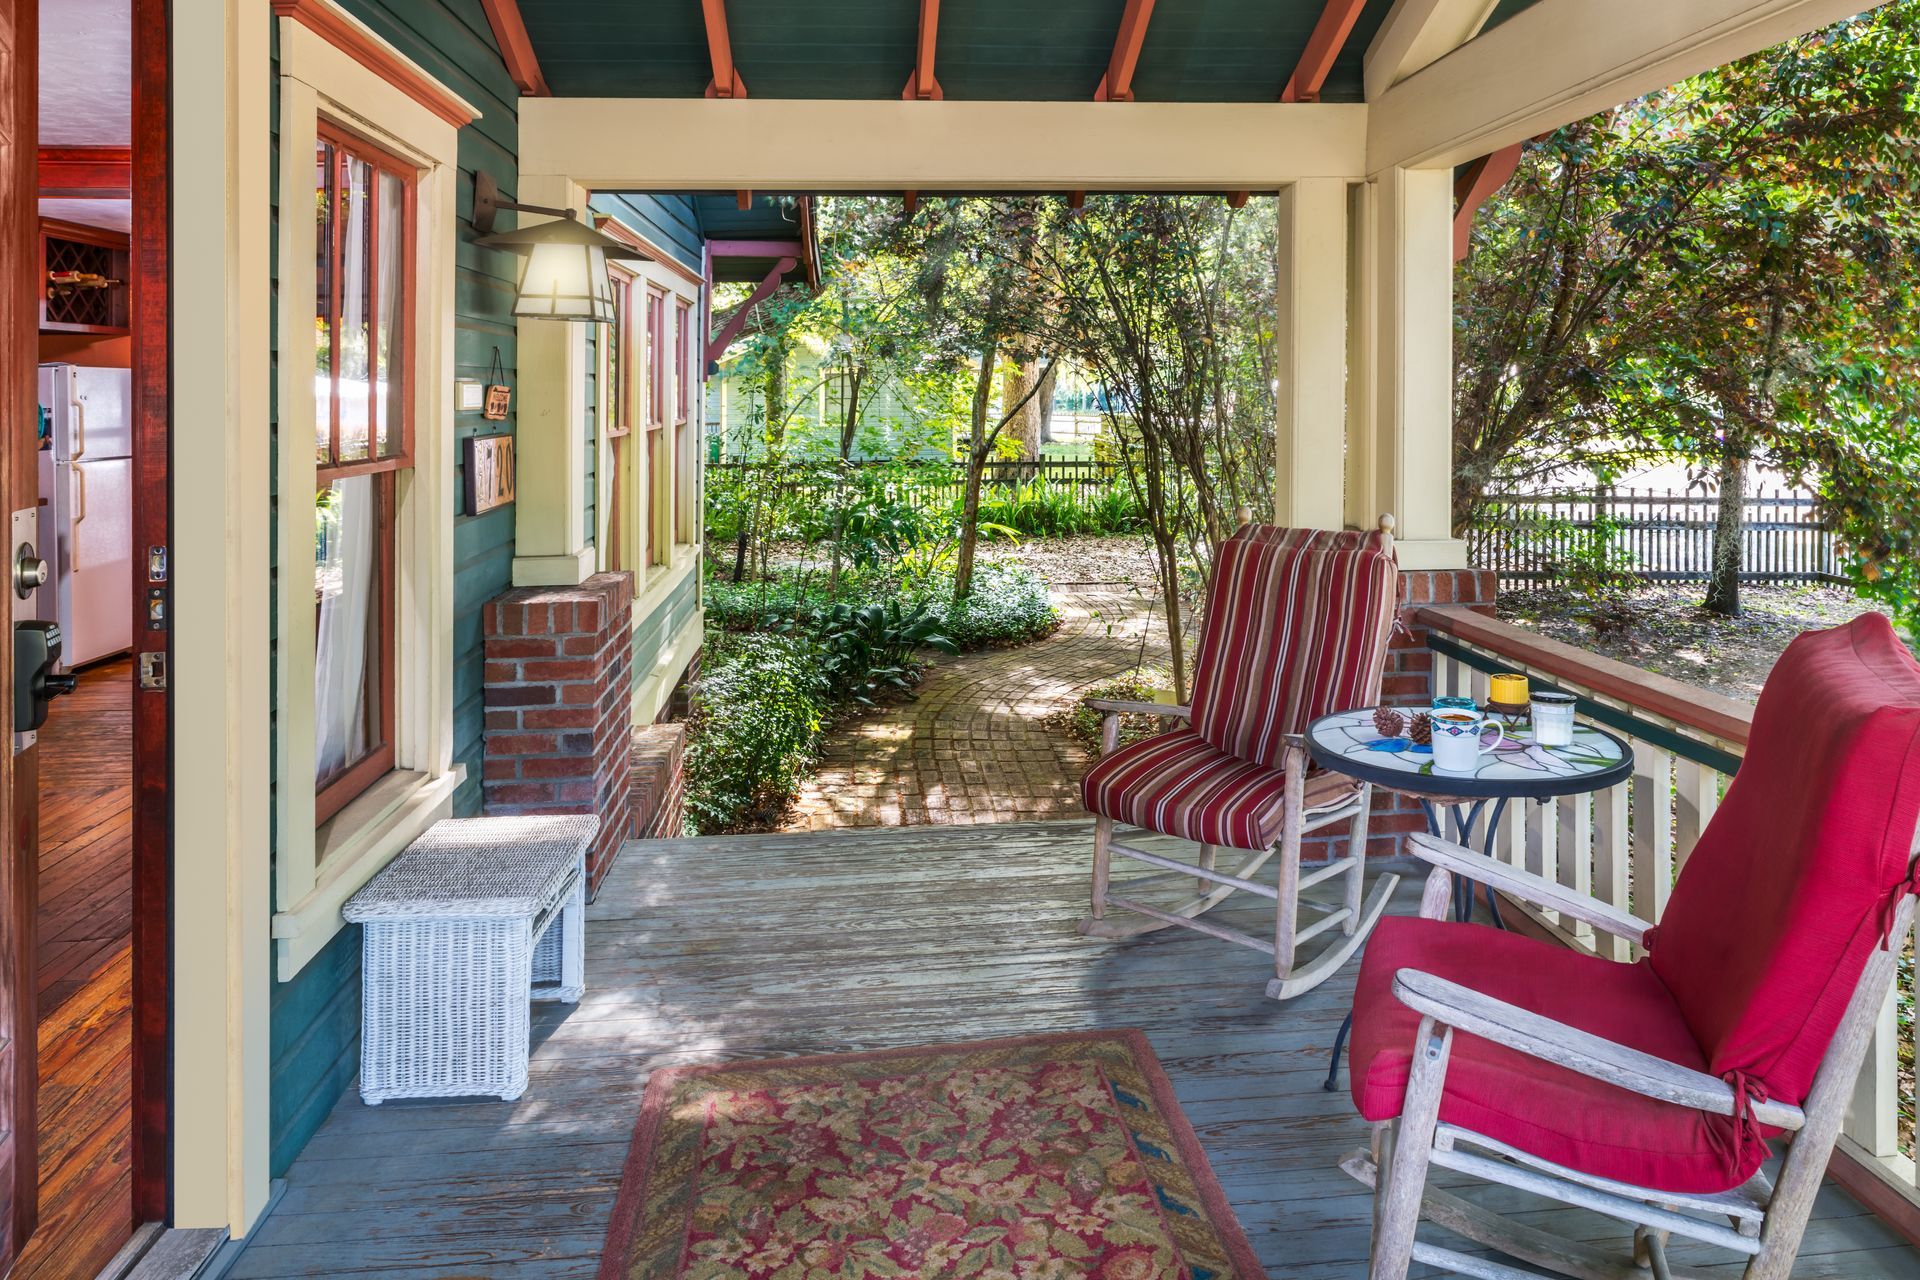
(1120,706)
(1465,1009)
(1538,890)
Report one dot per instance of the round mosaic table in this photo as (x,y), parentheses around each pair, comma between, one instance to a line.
(1518,768)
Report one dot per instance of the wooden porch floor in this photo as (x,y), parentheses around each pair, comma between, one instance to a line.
(764,946)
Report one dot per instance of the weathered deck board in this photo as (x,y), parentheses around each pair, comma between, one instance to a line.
(772,945)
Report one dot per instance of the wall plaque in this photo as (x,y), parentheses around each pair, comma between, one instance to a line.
(489,468)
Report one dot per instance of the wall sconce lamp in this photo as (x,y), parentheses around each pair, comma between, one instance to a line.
(565,276)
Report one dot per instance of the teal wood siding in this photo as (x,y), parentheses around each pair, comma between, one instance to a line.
(591,453)
(651,633)
(667,221)
(316,1015)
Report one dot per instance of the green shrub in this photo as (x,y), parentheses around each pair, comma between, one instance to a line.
(869,648)
(1008,605)
(757,711)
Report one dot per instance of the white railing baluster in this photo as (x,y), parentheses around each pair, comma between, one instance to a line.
(1696,789)
(1543,835)
(1574,847)
(1610,859)
(1652,830)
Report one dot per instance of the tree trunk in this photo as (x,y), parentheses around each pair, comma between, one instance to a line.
(977,454)
(1044,398)
(1169,557)
(1025,423)
(1723,584)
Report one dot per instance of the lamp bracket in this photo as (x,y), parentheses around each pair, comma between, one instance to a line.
(487,204)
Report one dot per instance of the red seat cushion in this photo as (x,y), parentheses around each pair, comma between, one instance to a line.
(1548,1111)
(1180,785)
(1784,896)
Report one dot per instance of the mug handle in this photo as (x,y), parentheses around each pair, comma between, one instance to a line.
(1498,728)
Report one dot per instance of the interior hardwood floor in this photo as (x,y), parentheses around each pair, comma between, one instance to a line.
(85,979)
(763,946)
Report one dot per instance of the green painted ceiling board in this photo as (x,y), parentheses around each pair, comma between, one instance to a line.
(1010,50)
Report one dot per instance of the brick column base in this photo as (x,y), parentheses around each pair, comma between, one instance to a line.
(659,784)
(1408,683)
(559,706)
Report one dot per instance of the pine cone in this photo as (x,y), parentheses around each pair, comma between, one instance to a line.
(1389,723)
(1422,730)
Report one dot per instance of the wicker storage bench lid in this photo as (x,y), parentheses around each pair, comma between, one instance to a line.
(468,867)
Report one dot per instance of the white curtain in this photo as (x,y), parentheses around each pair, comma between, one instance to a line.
(344,572)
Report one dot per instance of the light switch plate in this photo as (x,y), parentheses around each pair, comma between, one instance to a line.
(470,396)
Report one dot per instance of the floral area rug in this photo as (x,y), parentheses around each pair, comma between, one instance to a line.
(1041,1158)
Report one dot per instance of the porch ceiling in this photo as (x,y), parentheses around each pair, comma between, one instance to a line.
(1013,50)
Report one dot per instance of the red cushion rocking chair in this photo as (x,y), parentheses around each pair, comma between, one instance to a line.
(1296,626)
(1650,1090)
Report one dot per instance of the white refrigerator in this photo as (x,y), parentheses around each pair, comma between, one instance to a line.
(86,509)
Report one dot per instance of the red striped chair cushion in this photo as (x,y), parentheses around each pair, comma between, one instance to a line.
(1179,784)
(1288,539)
(1288,635)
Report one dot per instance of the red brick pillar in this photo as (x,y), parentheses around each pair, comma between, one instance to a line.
(1409,683)
(559,705)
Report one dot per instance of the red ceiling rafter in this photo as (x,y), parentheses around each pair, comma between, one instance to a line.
(911,199)
(756,248)
(921,84)
(1238,199)
(1323,46)
(1076,201)
(1481,179)
(86,173)
(1117,84)
(743,200)
(516,47)
(726,82)
(717,347)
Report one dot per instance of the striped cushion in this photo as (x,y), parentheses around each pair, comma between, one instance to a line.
(1288,635)
(1180,785)
(1288,539)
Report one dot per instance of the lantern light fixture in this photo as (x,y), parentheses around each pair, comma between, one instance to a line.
(565,274)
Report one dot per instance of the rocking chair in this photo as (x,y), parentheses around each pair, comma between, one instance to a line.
(1296,626)
(1648,1091)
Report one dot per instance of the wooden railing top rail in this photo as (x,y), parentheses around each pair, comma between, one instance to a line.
(1728,719)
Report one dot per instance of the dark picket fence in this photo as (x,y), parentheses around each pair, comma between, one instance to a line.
(1659,537)
(929,486)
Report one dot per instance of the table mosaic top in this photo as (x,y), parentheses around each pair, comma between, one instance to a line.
(1347,742)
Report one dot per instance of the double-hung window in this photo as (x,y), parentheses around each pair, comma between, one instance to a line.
(364,225)
(657,473)
(683,468)
(618,416)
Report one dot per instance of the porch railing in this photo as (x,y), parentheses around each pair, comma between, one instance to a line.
(932,485)
(1664,536)
(1626,845)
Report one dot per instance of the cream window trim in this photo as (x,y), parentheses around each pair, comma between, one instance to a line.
(605,468)
(320,82)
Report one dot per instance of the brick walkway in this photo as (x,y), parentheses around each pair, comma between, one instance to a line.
(971,747)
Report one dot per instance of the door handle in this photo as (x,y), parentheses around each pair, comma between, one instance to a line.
(79,512)
(79,429)
(29,571)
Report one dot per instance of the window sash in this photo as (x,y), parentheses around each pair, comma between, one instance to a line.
(332,226)
(333,791)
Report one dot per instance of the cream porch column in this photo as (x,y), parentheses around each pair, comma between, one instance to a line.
(1310,430)
(1401,440)
(550,430)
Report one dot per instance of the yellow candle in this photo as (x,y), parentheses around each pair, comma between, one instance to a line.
(1507,689)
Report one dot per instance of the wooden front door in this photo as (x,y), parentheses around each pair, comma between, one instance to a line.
(19,481)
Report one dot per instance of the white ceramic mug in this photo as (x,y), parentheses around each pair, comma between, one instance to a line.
(1457,745)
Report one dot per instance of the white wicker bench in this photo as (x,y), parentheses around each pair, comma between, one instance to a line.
(472,921)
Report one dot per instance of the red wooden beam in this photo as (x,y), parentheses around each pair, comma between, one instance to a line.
(1323,46)
(516,47)
(1117,84)
(912,201)
(718,345)
(1483,177)
(99,173)
(921,84)
(726,82)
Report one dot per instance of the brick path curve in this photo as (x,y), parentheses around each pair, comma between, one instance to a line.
(972,747)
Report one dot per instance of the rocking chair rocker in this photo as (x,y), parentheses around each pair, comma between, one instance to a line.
(1296,626)
(1648,1091)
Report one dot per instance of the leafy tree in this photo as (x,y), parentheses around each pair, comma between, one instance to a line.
(1722,273)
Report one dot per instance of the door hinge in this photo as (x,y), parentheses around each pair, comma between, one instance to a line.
(153,669)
